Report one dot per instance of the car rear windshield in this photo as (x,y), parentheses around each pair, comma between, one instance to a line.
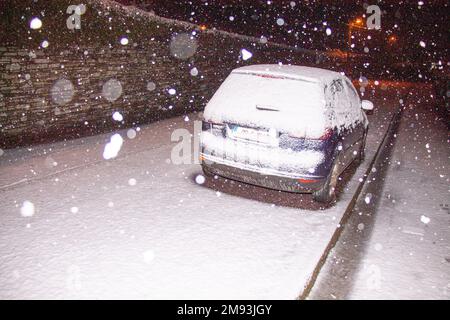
(269,101)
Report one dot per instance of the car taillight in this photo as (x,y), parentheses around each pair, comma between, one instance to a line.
(327,134)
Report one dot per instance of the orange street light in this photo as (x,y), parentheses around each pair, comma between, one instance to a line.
(392,39)
(202,27)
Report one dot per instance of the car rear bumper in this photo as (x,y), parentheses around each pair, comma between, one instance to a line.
(272,179)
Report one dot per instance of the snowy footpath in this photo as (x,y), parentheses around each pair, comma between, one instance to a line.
(408,256)
(74,225)
(398,248)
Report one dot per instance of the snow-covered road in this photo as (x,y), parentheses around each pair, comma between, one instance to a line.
(138,226)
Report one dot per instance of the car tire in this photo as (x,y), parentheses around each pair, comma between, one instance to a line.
(362,149)
(206,172)
(327,193)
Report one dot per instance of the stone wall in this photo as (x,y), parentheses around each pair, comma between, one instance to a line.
(57,83)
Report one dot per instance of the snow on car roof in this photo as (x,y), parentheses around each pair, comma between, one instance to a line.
(309,74)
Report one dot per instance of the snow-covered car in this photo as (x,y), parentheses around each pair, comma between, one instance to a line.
(289,128)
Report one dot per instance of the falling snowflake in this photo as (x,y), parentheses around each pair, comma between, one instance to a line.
(27,209)
(328,31)
(151,86)
(124,41)
(35,23)
(200,179)
(131,133)
(117,116)
(246,54)
(62,91)
(172,91)
(183,46)
(113,147)
(194,72)
(112,90)
(424,219)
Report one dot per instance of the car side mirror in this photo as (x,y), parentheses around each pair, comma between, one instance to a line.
(367,106)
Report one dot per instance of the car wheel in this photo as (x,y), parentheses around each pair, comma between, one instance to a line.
(207,172)
(327,193)
(362,152)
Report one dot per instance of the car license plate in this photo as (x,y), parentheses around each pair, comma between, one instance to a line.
(255,135)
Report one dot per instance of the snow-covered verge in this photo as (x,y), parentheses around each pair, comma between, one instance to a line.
(74,225)
(408,256)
